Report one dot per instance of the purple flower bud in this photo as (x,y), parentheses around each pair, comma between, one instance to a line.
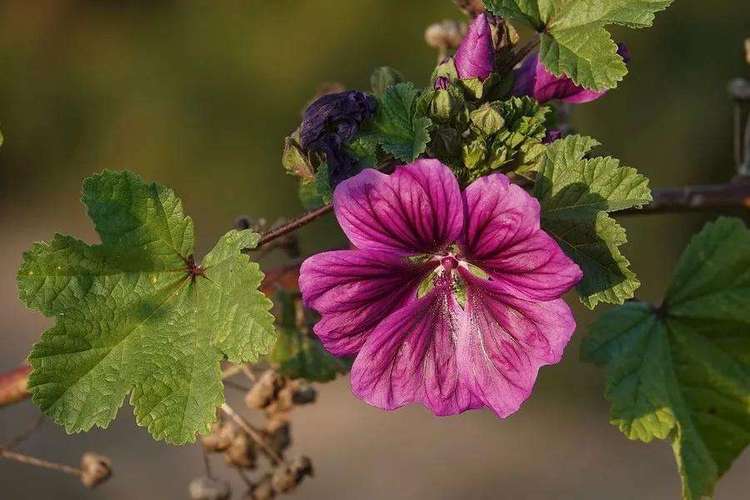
(475,56)
(533,79)
(335,119)
(341,165)
(330,123)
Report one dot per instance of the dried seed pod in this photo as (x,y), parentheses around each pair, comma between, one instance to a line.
(241,453)
(221,437)
(278,434)
(283,403)
(262,490)
(286,478)
(303,392)
(302,466)
(283,480)
(95,469)
(207,488)
(444,35)
(264,390)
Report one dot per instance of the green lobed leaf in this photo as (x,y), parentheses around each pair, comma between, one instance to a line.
(297,353)
(398,127)
(682,371)
(575,196)
(131,318)
(573,37)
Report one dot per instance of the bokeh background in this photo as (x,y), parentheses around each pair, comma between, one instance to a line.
(199,95)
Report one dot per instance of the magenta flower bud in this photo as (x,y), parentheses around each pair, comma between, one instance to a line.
(475,56)
(533,79)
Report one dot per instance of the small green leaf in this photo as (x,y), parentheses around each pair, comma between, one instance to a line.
(682,371)
(574,40)
(297,354)
(398,127)
(576,194)
(136,315)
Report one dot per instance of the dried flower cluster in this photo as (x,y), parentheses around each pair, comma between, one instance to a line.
(242,445)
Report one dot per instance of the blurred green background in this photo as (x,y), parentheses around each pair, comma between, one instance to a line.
(199,95)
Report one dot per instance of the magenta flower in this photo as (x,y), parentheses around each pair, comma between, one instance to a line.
(450,299)
(475,57)
(533,79)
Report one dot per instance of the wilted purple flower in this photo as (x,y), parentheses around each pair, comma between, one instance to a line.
(450,299)
(475,57)
(335,119)
(341,165)
(330,123)
(533,79)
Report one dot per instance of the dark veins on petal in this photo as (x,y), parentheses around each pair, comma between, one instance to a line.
(330,123)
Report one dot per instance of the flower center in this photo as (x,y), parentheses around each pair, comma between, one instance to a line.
(449,263)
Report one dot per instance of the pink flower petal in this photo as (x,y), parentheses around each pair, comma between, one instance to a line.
(505,340)
(354,290)
(535,268)
(411,357)
(498,214)
(417,209)
(533,79)
(502,237)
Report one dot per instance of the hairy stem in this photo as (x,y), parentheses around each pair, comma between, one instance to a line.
(38,462)
(734,195)
(294,224)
